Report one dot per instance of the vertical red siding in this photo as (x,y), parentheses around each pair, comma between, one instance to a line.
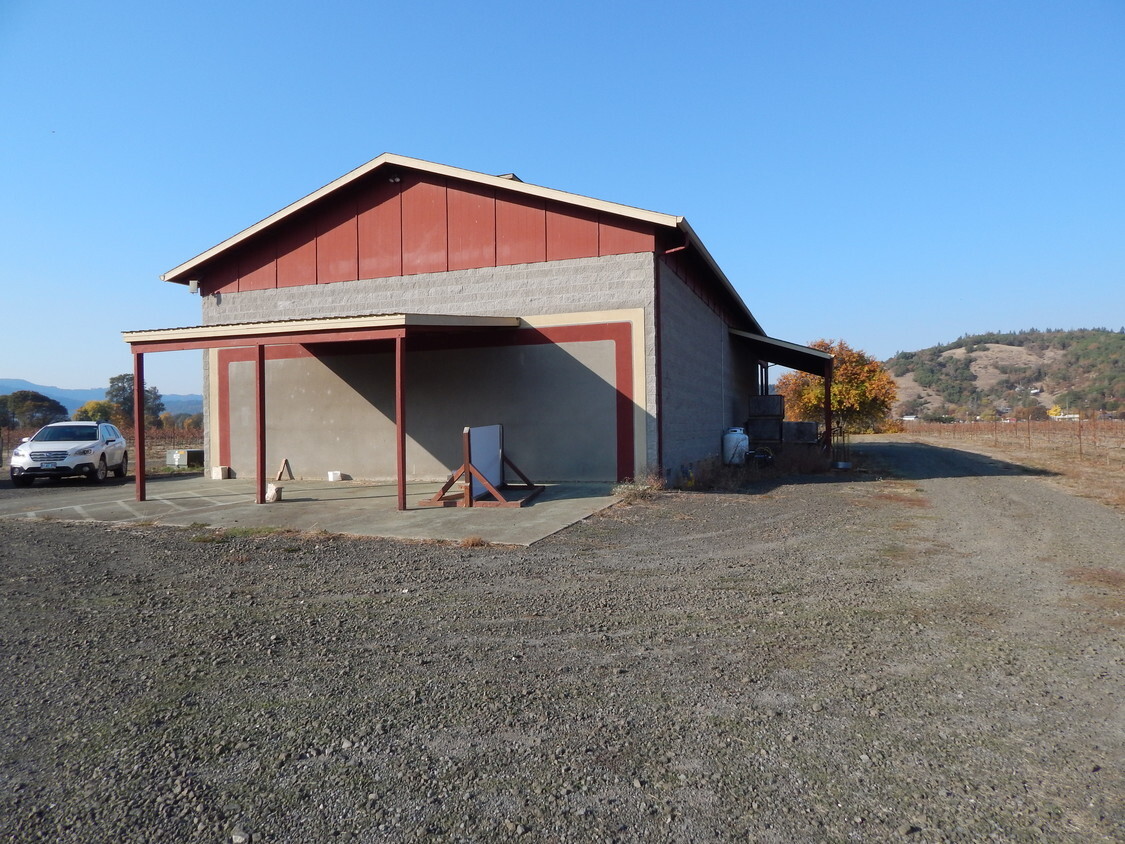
(521,231)
(223,279)
(571,233)
(619,237)
(257,269)
(337,252)
(425,246)
(379,224)
(472,227)
(296,254)
(380,228)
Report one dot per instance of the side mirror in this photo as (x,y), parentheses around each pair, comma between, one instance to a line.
(25,439)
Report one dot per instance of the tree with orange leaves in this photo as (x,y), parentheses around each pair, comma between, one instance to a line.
(862,390)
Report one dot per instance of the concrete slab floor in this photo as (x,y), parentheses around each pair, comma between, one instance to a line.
(346,507)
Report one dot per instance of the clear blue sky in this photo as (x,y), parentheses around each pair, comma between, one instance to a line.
(892,173)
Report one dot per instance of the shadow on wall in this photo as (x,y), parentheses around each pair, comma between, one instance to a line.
(563,418)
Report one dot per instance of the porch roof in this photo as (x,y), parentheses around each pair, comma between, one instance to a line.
(791,355)
(315,330)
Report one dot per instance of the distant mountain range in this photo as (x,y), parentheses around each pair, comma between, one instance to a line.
(74,399)
(980,374)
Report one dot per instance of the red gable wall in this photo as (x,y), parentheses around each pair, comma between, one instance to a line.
(376,228)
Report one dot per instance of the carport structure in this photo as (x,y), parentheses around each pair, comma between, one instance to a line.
(394,329)
(793,356)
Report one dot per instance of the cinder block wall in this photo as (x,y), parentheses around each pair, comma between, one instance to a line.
(581,284)
(705,380)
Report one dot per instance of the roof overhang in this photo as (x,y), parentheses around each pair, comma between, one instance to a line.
(321,330)
(791,355)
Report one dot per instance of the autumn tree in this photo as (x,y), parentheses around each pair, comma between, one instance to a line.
(862,390)
(95,411)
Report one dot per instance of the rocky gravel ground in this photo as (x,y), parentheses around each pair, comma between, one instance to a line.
(930,650)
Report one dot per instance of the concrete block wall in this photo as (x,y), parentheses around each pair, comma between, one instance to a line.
(581,284)
(705,380)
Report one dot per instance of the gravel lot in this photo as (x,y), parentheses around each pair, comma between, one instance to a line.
(927,651)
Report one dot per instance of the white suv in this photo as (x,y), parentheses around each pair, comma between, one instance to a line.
(62,449)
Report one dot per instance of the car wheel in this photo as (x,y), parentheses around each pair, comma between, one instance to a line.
(99,474)
(122,468)
(22,480)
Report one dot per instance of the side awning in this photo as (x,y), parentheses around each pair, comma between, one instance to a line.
(794,356)
(783,353)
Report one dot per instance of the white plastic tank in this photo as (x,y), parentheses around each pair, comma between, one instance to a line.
(735,446)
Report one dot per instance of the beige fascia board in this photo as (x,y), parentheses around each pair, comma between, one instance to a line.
(392,159)
(265,329)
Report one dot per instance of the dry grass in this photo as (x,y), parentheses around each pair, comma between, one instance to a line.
(899,498)
(641,489)
(797,459)
(1107,590)
(1088,459)
(1097,576)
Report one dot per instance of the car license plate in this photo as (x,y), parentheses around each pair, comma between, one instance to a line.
(46,465)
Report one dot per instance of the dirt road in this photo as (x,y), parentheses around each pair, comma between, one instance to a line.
(930,650)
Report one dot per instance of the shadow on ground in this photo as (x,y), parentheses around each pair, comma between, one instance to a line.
(872,460)
(918,461)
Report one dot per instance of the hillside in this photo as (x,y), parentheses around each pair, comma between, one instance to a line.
(1019,372)
(74,399)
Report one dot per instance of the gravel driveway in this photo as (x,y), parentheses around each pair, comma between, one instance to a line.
(928,651)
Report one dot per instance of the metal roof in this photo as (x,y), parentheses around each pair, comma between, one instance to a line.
(792,355)
(310,328)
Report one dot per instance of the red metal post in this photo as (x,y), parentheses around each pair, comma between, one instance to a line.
(139,422)
(260,418)
(400,417)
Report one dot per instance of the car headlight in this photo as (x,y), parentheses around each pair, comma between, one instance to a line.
(20,451)
(82,451)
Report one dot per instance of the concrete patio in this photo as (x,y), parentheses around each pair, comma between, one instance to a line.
(345,507)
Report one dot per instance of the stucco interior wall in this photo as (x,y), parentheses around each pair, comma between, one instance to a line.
(557,404)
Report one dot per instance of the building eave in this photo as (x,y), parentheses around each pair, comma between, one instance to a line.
(325,326)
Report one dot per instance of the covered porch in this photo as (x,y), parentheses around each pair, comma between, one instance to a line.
(395,330)
(792,356)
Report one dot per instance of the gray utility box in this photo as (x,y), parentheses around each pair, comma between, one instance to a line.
(771,405)
(798,432)
(764,429)
(185,457)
